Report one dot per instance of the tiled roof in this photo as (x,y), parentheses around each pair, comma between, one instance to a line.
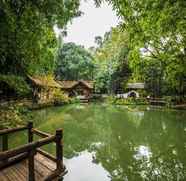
(45,81)
(138,85)
(68,84)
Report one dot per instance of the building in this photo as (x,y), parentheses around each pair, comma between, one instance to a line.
(43,88)
(134,88)
(77,88)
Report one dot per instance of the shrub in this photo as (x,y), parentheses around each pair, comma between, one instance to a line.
(17,83)
(75,100)
(10,117)
(111,100)
(60,97)
(126,101)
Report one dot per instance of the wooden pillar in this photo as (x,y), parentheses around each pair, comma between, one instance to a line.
(30,133)
(5,142)
(5,145)
(59,149)
(31,173)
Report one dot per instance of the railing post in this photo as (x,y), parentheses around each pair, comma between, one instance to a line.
(59,149)
(31,173)
(30,133)
(5,142)
(5,145)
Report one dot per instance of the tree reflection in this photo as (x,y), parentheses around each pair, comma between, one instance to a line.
(131,144)
(158,132)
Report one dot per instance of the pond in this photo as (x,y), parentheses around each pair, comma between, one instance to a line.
(105,142)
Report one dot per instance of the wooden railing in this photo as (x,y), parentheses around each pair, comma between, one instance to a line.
(29,150)
(157,101)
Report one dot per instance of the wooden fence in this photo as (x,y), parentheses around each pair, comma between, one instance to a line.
(29,150)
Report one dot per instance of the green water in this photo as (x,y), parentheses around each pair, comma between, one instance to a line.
(105,142)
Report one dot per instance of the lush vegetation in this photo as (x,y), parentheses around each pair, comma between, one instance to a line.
(16,83)
(74,62)
(111,60)
(28,45)
(156,30)
(127,101)
(148,46)
(27,39)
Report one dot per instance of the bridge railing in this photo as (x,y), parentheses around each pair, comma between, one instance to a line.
(29,150)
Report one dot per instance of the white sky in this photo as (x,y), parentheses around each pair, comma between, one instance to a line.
(94,22)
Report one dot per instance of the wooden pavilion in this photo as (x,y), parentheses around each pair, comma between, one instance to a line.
(77,88)
(134,89)
(43,88)
(136,86)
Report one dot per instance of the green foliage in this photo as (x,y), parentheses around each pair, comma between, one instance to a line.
(74,63)
(156,30)
(10,117)
(151,42)
(126,101)
(17,83)
(60,97)
(27,39)
(75,100)
(111,59)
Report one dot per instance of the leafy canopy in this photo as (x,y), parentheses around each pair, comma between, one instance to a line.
(27,39)
(157,37)
(74,63)
(111,59)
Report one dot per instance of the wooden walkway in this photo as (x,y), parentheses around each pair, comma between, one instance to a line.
(29,162)
(19,171)
(157,101)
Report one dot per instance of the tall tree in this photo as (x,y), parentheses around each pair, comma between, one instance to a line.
(112,61)
(27,39)
(159,27)
(74,62)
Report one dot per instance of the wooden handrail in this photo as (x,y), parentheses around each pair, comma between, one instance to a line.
(40,133)
(13,160)
(31,148)
(12,130)
(46,154)
(26,148)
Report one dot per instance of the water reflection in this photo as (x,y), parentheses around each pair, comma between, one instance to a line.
(84,168)
(119,143)
(143,152)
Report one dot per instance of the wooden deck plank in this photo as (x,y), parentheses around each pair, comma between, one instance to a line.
(19,171)
(8,174)
(17,174)
(46,162)
(38,176)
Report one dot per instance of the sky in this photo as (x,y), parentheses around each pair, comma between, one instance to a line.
(94,22)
